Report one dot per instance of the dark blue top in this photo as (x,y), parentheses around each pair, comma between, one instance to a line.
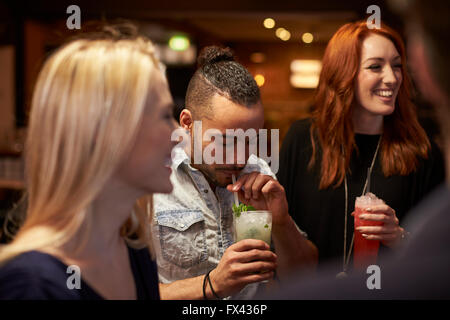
(34,275)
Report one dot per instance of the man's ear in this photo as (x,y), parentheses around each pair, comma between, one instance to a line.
(186,121)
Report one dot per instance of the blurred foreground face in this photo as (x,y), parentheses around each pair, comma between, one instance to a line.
(228,115)
(147,167)
(379,77)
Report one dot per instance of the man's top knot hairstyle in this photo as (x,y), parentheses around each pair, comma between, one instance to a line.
(210,55)
(218,72)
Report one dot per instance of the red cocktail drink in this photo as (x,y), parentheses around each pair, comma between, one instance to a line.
(365,252)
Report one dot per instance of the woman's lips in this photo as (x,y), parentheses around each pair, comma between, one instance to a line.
(386,95)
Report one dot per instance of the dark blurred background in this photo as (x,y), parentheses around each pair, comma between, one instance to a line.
(280,42)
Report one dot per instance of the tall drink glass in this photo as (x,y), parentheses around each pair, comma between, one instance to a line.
(365,252)
(254,225)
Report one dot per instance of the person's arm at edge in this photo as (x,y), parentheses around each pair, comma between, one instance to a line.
(295,252)
(186,289)
(244,262)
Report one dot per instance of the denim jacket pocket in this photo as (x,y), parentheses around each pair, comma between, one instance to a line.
(182,237)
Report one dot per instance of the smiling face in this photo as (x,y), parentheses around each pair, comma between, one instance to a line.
(379,76)
(228,115)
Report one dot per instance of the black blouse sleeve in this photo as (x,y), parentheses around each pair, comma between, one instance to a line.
(295,154)
(288,157)
(285,161)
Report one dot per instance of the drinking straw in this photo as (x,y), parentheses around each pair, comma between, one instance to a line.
(236,201)
(368,180)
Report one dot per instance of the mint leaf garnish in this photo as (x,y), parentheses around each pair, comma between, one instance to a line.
(236,211)
(241,208)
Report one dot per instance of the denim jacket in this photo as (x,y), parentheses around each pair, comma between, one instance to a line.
(193,226)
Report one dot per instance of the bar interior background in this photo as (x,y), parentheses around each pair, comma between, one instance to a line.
(280,42)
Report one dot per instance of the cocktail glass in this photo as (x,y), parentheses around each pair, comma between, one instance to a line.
(365,251)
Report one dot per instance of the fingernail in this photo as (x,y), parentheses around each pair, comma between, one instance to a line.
(236,188)
(369,209)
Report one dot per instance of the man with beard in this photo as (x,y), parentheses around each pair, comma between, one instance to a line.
(193,234)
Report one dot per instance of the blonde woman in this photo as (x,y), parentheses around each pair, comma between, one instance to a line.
(99,138)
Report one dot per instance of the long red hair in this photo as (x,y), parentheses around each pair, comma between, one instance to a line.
(403,139)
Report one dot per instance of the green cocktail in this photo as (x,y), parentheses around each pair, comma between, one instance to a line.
(253,224)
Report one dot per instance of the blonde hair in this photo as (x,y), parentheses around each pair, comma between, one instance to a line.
(86,109)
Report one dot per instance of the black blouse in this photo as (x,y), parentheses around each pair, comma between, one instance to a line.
(34,275)
(320,213)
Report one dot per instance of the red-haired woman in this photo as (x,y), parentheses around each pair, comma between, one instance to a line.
(363,118)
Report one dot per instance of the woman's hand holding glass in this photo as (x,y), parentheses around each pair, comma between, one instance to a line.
(389,233)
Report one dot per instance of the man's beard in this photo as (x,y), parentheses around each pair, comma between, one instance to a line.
(211,174)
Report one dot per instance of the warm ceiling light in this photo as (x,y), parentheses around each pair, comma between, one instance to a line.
(257,57)
(269,23)
(283,34)
(307,37)
(305,73)
(279,31)
(259,78)
(306,66)
(304,82)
